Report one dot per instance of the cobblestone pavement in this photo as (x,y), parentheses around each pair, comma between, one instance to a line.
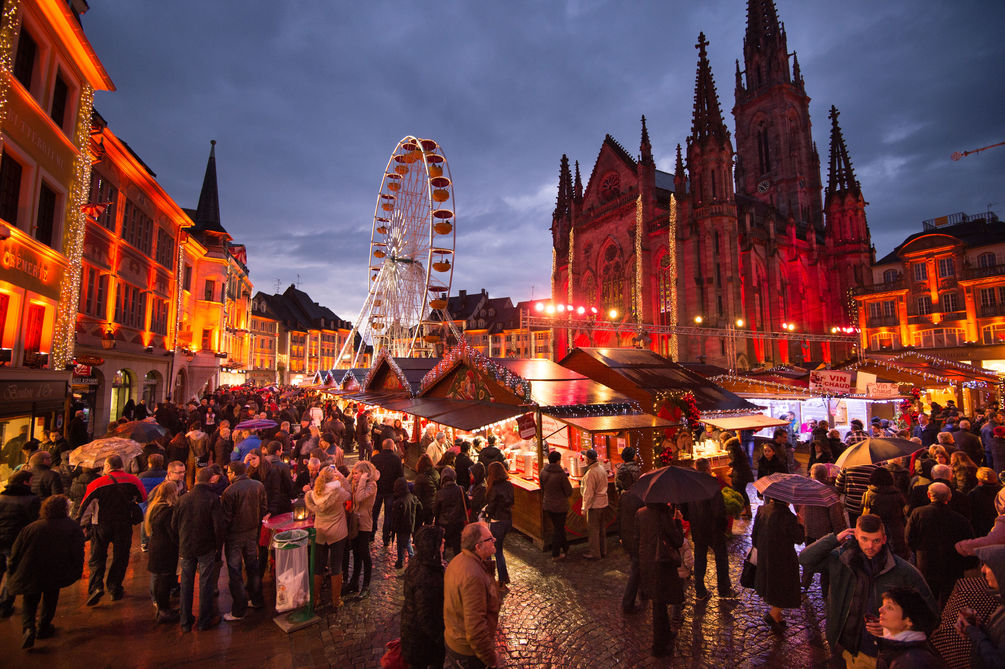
(558,614)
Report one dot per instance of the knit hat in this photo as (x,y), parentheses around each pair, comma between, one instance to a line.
(591,454)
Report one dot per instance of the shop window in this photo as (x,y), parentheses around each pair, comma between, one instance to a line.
(60,93)
(939,338)
(947,267)
(24,60)
(993,334)
(881,341)
(45,224)
(921,272)
(10,188)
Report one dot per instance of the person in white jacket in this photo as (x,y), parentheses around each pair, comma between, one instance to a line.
(595,502)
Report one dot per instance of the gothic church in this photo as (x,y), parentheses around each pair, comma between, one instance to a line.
(744,236)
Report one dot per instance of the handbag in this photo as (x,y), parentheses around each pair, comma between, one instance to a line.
(393,657)
(352,521)
(749,571)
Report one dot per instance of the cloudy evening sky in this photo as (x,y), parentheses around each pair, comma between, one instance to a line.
(307,100)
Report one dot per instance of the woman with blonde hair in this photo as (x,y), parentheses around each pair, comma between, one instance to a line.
(364,493)
(163,548)
(327,502)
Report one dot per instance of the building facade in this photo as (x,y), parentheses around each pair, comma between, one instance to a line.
(941,290)
(740,238)
(48,75)
(494,327)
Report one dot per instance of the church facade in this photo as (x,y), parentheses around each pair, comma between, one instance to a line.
(738,235)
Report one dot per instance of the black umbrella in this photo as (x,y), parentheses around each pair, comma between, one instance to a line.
(873,450)
(142,431)
(675,485)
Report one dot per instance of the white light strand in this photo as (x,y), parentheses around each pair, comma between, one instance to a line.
(672,281)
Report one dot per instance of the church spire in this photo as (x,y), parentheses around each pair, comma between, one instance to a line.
(679,177)
(645,148)
(707,118)
(564,201)
(207,214)
(840,175)
(765,52)
(578,189)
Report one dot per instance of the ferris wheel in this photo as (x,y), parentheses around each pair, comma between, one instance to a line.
(411,255)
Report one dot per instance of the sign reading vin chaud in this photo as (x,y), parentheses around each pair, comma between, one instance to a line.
(830,382)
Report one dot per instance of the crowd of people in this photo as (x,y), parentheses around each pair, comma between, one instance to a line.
(890,552)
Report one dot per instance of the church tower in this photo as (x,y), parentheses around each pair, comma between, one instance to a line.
(711,249)
(776,160)
(847,232)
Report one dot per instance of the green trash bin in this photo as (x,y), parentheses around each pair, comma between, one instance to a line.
(294,571)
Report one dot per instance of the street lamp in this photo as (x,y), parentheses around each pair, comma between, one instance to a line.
(698,320)
(739,322)
(612,314)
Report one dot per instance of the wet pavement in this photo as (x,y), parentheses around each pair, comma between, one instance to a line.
(558,614)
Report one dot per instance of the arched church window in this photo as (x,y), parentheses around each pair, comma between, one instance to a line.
(612,280)
(664,285)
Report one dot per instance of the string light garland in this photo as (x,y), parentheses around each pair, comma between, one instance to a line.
(73,239)
(637,288)
(8,28)
(672,282)
(474,358)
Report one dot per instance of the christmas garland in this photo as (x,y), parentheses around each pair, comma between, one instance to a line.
(474,358)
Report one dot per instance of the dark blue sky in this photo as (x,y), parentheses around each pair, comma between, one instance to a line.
(307,100)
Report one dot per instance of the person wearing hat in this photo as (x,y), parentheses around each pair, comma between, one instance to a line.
(987,637)
(629,470)
(595,504)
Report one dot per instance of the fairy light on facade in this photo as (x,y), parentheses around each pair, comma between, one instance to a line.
(8,28)
(572,255)
(73,240)
(637,288)
(672,282)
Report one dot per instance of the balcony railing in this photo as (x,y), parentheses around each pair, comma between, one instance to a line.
(983,272)
(882,321)
(899,284)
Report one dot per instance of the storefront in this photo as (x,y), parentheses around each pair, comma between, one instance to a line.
(29,408)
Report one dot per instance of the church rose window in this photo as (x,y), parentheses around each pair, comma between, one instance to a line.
(610,187)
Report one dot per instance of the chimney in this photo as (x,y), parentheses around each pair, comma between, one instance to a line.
(463,294)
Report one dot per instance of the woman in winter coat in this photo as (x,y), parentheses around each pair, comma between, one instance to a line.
(771,461)
(883,499)
(499,509)
(740,474)
(162,545)
(404,514)
(776,532)
(422,611)
(364,493)
(476,493)
(555,492)
(450,508)
(47,555)
(964,471)
(659,541)
(327,502)
(427,482)
(982,501)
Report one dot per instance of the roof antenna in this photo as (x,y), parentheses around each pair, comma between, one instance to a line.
(277,285)
(298,282)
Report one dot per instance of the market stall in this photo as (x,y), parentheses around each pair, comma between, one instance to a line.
(532,406)
(668,390)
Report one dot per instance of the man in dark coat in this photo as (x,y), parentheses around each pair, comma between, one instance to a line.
(244,504)
(44,481)
(861,568)
(422,610)
(114,494)
(462,464)
(388,464)
(932,532)
(56,446)
(198,524)
(18,507)
(969,443)
(491,453)
(628,530)
(47,555)
(708,530)
(77,430)
(659,541)
(958,502)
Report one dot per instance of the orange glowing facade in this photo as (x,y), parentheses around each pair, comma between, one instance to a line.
(48,75)
(942,290)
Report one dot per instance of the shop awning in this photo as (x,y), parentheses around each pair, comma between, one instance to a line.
(615,423)
(752,422)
